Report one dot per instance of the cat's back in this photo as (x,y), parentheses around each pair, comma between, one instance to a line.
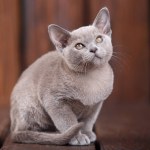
(30,78)
(48,61)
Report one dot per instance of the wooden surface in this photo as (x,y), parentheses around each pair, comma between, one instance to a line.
(4,124)
(35,39)
(9,48)
(130,38)
(124,126)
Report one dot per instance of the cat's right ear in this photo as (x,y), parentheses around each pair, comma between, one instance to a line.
(59,36)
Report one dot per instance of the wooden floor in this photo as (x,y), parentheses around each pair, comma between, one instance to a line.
(119,127)
(124,126)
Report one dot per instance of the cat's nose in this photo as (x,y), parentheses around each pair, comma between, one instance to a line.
(93,50)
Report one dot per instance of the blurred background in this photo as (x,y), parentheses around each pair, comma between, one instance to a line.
(24,38)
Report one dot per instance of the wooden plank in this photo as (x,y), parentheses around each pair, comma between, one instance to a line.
(9,47)
(131,30)
(4,124)
(70,13)
(96,5)
(8,145)
(124,126)
(37,16)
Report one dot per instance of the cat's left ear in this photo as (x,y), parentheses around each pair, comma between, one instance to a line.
(59,36)
(102,21)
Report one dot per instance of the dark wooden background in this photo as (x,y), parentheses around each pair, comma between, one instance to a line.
(24,37)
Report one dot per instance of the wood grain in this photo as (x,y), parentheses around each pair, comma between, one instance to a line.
(4,124)
(9,47)
(70,13)
(124,126)
(37,17)
(8,145)
(131,33)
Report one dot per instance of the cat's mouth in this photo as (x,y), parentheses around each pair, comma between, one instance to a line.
(98,59)
(97,56)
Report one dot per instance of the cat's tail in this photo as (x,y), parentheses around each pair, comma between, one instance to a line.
(46,138)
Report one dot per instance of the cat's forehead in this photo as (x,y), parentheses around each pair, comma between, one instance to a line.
(86,33)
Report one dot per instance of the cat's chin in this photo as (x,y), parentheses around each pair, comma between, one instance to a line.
(97,61)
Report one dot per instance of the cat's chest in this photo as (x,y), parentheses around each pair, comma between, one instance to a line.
(95,86)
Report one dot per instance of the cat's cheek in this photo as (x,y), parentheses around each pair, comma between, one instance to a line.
(86,57)
(109,55)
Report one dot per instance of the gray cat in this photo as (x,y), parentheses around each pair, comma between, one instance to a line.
(58,98)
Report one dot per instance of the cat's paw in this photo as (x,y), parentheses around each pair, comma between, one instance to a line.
(91,135)
(80,139)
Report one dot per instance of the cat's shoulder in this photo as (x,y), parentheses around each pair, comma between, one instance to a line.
(47,59)
(44,62)
(49,56)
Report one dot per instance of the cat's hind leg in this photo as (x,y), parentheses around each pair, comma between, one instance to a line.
(33,125)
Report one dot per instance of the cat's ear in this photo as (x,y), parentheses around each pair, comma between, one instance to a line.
(102,21)
(59,36)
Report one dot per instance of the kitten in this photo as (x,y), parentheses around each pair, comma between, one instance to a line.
(58,98)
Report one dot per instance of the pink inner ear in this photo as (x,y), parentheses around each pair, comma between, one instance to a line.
(59,36)
(107,28)
(102,21)
(64,41)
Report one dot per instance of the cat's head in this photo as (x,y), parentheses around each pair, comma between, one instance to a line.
(86,46)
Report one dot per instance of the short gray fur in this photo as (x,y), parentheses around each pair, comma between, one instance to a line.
(58,98)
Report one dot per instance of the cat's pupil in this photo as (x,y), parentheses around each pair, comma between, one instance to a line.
(79,46)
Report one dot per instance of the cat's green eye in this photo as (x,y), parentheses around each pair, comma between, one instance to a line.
(79,46)
(99,39)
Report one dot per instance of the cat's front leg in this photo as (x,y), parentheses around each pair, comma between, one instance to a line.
(90,120)
(64,118)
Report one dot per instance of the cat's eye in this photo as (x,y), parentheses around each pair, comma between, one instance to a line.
(99,39)
(79,46)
